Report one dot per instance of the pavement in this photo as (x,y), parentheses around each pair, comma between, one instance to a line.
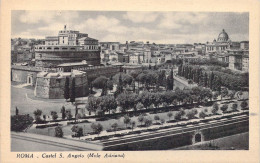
(27,142)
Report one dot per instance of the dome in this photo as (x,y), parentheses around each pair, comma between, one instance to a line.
(223,36)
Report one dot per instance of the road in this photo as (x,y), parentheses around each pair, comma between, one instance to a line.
(27,142)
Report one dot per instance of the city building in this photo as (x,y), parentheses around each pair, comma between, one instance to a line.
(244,45)
(222,43)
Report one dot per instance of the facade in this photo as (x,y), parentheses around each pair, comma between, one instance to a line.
(222,43)
(239,62)
(134,58)
(244,45)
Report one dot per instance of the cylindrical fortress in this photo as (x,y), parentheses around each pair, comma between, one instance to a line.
(51,56)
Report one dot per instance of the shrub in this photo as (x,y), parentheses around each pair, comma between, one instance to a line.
(58,132)
(20,122)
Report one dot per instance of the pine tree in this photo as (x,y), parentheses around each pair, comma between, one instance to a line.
(72,91)
(205,80)
(63,113)
(16,111)
(211,80)
(119,88)
(180,70)
(67,89)
(104,90)
(170,81)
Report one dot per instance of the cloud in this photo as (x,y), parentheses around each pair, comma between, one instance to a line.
(141,17)
(158,27)
(27,35)
(99,23)
(51,29)
(180,20)
(33,17)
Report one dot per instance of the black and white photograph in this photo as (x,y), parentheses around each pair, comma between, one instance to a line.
(86,80)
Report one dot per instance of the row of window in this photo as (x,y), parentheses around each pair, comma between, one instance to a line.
(215,48)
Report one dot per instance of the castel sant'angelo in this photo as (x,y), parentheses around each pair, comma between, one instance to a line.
(69,56)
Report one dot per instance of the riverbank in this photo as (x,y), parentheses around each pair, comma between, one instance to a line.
(233,142)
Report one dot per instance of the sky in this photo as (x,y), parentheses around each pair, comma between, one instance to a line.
(122,26)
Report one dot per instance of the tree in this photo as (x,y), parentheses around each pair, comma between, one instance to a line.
(244,105)
(139,106)
(16,111)
(93,104)
(141,119)
(177,116)
(234,107)
(156,118)
(182,112)
(100,82)
(37,114)
(202,114)
(119,88)
(104,90)
(110,84)
(132,124)
(126,101)
(76,112)
(72,91)
(78,131)
(54,115)
(162,121)
(97,128)
(63,113)
(169,81)
(108,103)
(58,132)
(232,94)
(67,89)
(190,114)
(224,108)
(148,122)
(145,99)
(114,126)
(224,93)
(126,120)
(68,114)
(44,118)
(169,115)
(215,108)
(21,122)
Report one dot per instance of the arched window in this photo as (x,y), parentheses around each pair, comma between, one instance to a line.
(40,47)
(64,48)
(49,48)
(56,48)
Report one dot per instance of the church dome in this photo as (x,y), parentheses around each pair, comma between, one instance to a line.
(223,36)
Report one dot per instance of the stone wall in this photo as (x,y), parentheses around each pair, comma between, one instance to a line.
(53,58)
(164,142)
(53,87)
(102,71)
(20,75)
